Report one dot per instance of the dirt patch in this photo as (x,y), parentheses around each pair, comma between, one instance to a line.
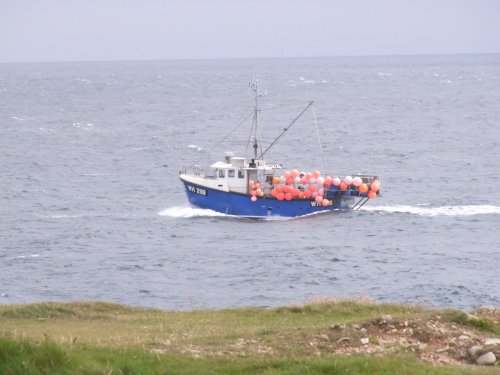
(432,339)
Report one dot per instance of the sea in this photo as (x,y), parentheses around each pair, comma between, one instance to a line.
(92,209)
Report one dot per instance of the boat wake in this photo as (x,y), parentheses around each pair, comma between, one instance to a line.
(188,212)
(423,210)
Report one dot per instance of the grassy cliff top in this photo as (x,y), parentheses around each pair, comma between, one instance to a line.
(325,336)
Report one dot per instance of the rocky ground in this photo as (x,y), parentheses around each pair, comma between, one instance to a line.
(432,339)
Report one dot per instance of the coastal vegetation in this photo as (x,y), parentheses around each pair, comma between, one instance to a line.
(325,336)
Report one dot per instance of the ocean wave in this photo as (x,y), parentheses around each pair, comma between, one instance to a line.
(437,211)
(57,216)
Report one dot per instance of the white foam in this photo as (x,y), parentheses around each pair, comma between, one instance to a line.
(26,256)
(198,148)
(437,211)
(187,212)
(87,126)
(58,216)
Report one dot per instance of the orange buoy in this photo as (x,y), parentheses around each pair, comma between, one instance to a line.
(280,196)
(374,187)
(372,194)
(276,180)
(363,188)
(307,194)
(343,186)
(288,196)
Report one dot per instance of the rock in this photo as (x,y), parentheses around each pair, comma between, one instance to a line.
(463,337)
(343,339)
(474,351)
(422,346)
(472,317)
(492,341)
(362,330)
(365,340)
(337,326)
(322,337)
(487,359)
(385,319)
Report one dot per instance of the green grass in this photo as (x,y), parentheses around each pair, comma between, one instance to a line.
(483,324)
(110,325)
(23,357)
(104,338)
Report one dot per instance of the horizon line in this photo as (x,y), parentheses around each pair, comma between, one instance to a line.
(249,58)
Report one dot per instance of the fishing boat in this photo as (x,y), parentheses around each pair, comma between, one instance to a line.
(250,187)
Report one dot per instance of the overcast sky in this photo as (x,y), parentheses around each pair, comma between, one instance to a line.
(78,30)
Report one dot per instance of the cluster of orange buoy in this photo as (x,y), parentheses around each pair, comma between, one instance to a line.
(311,185)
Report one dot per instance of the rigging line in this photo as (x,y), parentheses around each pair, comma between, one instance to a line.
(224,138)
(288,127)
(319,139)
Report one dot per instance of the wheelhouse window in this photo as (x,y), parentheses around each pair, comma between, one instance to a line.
(241,174)
(230,173)
(221,173)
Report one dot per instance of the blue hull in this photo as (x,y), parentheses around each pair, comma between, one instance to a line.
(241,205)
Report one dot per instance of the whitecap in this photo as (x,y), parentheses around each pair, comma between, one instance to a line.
(198,148)
(422,210)
(87,126)
(58,216)
(26,256)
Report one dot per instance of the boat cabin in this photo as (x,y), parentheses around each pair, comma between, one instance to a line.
(234,173)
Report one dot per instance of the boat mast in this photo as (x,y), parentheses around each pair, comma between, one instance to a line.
(254,87)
